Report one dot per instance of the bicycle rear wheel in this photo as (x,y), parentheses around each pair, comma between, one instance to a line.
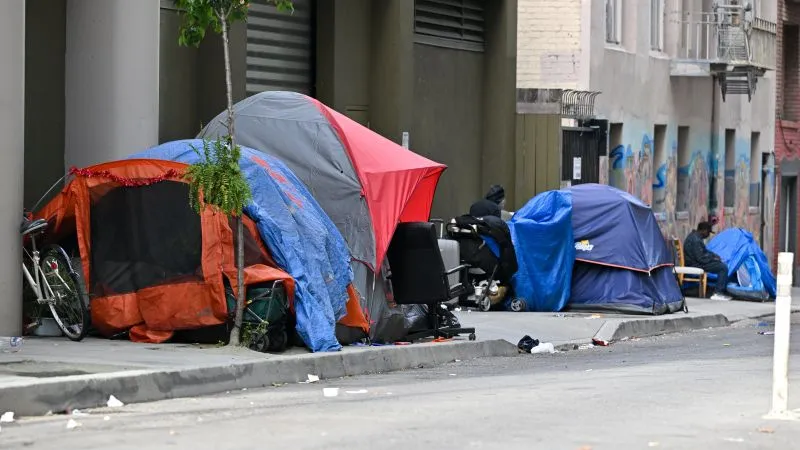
(65,293)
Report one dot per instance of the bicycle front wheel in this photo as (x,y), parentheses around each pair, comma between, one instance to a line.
(65,293)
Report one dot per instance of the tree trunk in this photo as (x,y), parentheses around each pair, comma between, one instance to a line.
(228,82)
(240,297)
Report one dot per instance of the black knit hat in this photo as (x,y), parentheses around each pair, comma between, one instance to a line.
(496,194)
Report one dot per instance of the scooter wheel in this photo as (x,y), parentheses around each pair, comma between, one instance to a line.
(472,336)
(485,304)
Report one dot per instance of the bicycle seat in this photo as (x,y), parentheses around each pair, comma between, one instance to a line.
(32,226)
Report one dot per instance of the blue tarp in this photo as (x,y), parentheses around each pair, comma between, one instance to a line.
(302,239)
(542,236)
(745,259)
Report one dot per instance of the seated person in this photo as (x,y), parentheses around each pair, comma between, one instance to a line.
(497,195)
(696,254)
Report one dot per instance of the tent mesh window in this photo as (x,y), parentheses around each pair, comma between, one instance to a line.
(143,237)
(455,24)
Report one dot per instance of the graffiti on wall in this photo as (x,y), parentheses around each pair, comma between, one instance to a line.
(684,195)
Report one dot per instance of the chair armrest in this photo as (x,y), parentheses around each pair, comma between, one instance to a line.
(457,269)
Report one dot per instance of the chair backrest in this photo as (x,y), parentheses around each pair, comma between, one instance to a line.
(677,245)
(418,274)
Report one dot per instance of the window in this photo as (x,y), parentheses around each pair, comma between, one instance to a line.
(455,24)
(616,155)
(657,25)
(659,167)
(730,168)
(614,21)
(791,76)
(755,169)
(684,166)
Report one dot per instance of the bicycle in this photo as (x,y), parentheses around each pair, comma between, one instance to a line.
(54,282)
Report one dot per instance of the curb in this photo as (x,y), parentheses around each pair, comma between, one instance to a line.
(38,397)
(613,331)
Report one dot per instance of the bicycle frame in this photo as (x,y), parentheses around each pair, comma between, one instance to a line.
(36,284)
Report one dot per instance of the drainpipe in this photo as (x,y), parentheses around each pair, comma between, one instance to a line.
(713,155)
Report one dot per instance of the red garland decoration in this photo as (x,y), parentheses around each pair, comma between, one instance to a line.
(170,174)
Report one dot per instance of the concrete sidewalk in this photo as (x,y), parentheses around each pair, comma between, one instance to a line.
(566,330)
(56,375)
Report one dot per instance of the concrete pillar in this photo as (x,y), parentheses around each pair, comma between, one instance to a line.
(392,62)
(498,156)
(111,79)
(12,129)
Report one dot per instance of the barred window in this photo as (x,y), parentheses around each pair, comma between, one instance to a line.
(455,24)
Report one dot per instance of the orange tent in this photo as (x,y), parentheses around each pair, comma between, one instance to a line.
(151,264)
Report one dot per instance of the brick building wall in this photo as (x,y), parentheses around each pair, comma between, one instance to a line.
(787,114)
(549,43)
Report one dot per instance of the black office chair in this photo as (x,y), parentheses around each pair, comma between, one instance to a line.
(419,277)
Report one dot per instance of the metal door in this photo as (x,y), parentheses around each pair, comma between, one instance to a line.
(580,150)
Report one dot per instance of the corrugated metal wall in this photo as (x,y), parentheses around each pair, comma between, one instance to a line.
(280,48)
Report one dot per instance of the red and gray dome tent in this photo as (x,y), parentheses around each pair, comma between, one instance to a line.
(364,182)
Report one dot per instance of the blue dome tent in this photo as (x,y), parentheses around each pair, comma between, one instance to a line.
(613,257)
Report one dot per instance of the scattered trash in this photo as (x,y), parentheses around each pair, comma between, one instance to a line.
(172,432)
(113,402)
(388,393)
(252,403)
(77,413)
(72,424)
(600,342)
(766,333)
(330,392)
(244,389)
(595,316)
(734,439)
(559,315)
(457,360)
(402,343)
(726,345)
(762,324)
(452,374)
(11,345)
(457,310)
(585,346)
(653,444)
(106,418)
(281,384)
(7,417)
(588,370)
(527,343)
(766,430)
(199,419)
(624,339)
(547,347)
(311,379)
(360,391)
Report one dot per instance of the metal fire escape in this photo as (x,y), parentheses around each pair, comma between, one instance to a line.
(728,42)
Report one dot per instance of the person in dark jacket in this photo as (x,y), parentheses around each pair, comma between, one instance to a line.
(695,254)
(497,195)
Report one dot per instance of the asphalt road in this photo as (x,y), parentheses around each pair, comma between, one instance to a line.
(701,390)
